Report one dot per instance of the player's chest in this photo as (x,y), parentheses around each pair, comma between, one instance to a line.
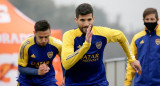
(97,43)
(42,54)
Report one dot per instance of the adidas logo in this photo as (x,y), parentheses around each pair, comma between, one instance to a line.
(142,42)
(33,56)
(79,46)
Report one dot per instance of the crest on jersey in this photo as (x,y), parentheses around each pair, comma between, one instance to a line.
(99,45)
(50,54)
(157,41)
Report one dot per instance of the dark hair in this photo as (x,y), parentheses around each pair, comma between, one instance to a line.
(150,11)
(41,25)
(84,9)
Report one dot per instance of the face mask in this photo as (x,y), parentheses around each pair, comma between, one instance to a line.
(150,26)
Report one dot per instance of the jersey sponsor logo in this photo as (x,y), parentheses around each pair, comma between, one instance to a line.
(142,42)
(99,45)
(90,57)
(37,64)
(50,54)
(33,56)
(157,41)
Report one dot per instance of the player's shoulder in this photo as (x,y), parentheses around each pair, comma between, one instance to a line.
(139,34)
(54,41)
(29,40)
(100,30)
(158,30)
(73,33)
(70,31)
(100,27)
(27,43)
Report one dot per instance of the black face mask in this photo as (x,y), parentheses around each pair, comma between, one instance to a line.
(150,26)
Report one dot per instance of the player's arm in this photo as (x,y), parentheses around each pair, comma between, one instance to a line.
(129,75)
(43,69)
(118,36)
(130,72)
(59,47)
(57,43)
(23,60)
(27,70)
(69,57)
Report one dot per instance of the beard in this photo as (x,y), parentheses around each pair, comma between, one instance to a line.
(43,45)
(84,29)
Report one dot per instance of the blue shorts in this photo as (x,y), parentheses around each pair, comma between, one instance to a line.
(49,83)
(103,83)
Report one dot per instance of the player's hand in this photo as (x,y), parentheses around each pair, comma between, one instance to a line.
(43,69)
(89,34)
(136,66)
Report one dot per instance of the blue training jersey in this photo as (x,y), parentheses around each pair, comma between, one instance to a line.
(32,55)
(145,46)
(83,61)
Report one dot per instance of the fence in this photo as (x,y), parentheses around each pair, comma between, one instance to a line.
(115,71)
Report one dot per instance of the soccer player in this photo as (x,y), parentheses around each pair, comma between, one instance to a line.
(82,50)
(145,46)
(36,55)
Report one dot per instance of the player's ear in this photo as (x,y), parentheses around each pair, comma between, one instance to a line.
(143,19)
(76,20)
(93,18)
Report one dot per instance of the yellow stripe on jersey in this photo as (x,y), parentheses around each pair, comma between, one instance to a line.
(23,54)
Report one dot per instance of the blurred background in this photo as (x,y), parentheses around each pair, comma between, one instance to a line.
(124,15)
